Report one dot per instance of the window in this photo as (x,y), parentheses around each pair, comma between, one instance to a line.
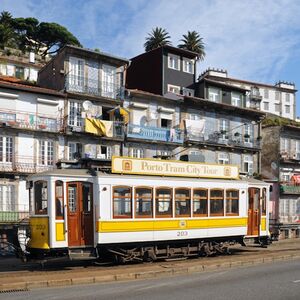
(105,152)
(287,109)
(277,107)
(200,200)
(173,62)
(248,164)
(46,153)
(20,72)
(75,109)
(232,202)
(143,202)
(266,93)
(109,81)
(188,66)
(6,149)
(137,152)
(223,158)
(284,145)
(287,97)
(164,202)
(182,202)
(237,99)
(76,74)
(75,150)
(224,128)
(188,92)
(196,117)
(216,202)
(266,105)
(214,94)
(8,198)
(173,89)
(277,95)
(165,123)
(122,202)
(264,202)
(59,200)
(40,198)
(249,133)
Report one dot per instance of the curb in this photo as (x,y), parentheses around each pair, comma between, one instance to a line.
(173,271)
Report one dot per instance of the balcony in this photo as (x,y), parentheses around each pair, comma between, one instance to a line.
(13,213)
(155,134)
(94,87)
(289,157)
(23,165)
(29,121)
(116,131)
(289,188)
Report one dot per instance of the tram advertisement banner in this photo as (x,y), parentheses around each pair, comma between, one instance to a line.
(126,165)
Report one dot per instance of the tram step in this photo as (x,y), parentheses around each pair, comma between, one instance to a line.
(82,254)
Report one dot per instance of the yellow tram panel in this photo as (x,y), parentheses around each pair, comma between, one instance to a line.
(39,233)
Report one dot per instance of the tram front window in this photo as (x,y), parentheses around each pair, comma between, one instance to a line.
(40,198)
(122,202)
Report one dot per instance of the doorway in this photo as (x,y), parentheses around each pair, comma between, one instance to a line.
(253,211)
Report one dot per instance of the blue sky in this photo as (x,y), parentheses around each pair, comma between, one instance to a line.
(255,40)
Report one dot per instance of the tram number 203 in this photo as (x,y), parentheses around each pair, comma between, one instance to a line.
(182,233)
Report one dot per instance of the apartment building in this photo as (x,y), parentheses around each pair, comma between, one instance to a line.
(278,99)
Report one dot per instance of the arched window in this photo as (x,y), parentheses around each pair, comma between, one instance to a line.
(122,202)
(216,202)
(40,198)
(232,202)
(182,202)
(200,201)
(143,202)
(59,200)
(164,202)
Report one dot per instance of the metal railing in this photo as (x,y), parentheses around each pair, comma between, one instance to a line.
(96,87)
(13,213)
(155,133)
(289,188)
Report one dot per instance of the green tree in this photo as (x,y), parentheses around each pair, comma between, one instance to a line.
(7,33)
(193,42)
(157,38)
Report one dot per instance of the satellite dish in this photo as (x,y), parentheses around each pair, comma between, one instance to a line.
(87,105)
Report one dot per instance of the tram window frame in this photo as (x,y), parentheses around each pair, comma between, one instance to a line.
(264,202)
(59,201)
(230,199)
(211,201)
(200,200)
(187,200)
(150,199)
(122,216)
(169,213)
(41,203)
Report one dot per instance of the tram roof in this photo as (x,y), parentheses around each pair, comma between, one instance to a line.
(91,173)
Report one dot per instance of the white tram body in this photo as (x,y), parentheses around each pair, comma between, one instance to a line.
(75,209)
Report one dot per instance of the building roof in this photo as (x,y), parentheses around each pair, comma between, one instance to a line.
(136,92)
(217,82)
(16,84)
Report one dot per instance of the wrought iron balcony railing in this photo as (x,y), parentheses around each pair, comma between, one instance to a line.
(155,133)
(289,188)
(85,85)
(13,213)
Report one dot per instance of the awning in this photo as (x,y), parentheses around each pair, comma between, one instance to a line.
(99,127)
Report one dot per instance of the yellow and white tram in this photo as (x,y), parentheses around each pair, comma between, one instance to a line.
(79,212)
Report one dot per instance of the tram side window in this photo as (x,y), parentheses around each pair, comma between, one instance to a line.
(232,202)
(264,202)
(40,198)
(143,202)
(200,199)
(182,203)
(122,202)
(59,200)
(216,202)
(164,202)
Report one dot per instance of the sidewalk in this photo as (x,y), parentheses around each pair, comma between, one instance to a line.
(15,275)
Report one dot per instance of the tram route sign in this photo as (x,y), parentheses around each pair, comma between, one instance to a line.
(128,165)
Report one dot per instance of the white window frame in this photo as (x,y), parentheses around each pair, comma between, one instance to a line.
(287,97)
(284,144)
(195,116)
(8,199)
(76,73)
(277,107)
(77,147)
(214,94)
(248,164)
(236,99)
(223,158)
(224,125)
(173,89)
(249,129)
(108,151)
(75,110)
(266,106)
(46,152)
(277,95)
(188,65)
(6,149)
(287,109)
(266,93)
(188,92)
(173,62)
(137,153)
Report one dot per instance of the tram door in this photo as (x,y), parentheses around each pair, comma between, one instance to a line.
(80,213)
(253,211)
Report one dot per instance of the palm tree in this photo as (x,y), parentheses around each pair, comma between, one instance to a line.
(193,42)
(157,38)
